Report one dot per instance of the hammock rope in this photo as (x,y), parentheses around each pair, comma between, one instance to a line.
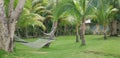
(36,44)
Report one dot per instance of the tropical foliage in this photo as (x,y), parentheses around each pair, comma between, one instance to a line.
(56,17)
(104,13)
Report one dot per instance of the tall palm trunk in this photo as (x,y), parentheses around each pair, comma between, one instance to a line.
(113,29)
(77,33)
(105,32)
(7,24)
(65,29)
(52,33)
(96,29)
(18,32)
(26,32)
(82,31)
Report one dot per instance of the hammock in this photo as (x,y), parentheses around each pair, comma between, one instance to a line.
(36,44)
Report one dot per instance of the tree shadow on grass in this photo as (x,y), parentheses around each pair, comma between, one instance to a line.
(108,38)
(102,53)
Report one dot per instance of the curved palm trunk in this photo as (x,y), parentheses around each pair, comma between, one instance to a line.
(52,33)
(77,33)
(82,32)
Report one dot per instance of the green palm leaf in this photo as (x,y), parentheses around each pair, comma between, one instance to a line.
(30,19)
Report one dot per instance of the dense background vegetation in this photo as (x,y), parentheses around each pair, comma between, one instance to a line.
(38,18)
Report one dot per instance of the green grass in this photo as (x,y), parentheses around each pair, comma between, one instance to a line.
(65,47)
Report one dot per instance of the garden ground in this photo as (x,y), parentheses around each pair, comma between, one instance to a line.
(66,47)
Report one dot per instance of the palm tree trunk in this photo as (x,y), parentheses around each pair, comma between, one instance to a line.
(82,32)
(7,26)
(113,28)
(65,29)
(26,32)
(96,29)
(77,33)
(52,33)
(18,32)
(105,33)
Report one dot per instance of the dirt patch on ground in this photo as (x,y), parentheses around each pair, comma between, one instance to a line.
(38,52)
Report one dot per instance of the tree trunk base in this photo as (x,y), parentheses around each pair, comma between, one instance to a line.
(105,36)
(47,45)
(83,44)
(77,39)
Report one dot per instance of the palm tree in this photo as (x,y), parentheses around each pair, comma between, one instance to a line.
(31,16)
(30,19)
(113,24)
(80,8)
(104,12)
(46,13)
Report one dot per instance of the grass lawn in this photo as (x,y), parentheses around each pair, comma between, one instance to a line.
(65,47)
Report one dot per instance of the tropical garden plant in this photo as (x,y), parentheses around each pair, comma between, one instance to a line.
(81,10)
(104,13)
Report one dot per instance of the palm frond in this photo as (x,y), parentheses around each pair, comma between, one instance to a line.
(104,12)
(60,8)
(34,2)
(30,19)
